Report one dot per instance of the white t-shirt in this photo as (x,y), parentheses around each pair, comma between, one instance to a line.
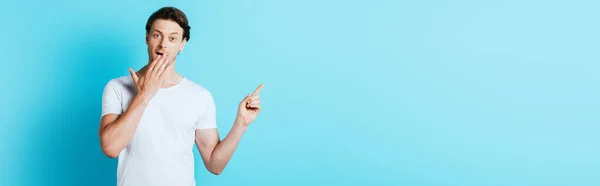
(161,150)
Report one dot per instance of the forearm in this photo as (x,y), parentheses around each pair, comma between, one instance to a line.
(225,149)
(116,135)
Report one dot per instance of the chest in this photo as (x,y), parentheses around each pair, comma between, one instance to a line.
(170,116)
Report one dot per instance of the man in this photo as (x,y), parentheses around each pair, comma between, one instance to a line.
(151,118)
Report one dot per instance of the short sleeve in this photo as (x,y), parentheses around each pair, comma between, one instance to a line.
(207,119)
(111,101)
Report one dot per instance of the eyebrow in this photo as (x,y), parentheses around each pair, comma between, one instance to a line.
(169,34)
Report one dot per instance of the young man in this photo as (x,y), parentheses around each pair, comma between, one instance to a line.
(151,119)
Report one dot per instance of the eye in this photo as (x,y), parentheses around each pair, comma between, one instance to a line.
(172,38)
(156,35)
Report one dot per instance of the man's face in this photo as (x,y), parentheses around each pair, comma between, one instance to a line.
(165,37)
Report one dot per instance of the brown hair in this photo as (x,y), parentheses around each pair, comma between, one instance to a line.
(173,14)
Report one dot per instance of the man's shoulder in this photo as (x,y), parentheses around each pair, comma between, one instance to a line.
(197,88)
(123,82)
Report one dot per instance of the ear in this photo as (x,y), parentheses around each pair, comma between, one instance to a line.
(147,38)
(182,45)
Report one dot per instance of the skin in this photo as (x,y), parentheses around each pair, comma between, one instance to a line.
(164,41)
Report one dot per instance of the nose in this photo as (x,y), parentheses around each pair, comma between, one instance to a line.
(163,44)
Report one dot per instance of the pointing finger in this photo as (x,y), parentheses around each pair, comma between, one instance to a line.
(258,89)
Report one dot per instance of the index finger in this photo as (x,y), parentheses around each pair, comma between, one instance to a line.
(258,89)
(153,63)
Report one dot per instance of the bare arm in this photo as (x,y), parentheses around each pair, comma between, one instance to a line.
(116,130)
(215,153)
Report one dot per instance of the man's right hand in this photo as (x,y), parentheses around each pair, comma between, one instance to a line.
(149,84)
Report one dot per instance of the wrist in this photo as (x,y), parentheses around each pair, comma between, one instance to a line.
(145,98)
(240,122)
(239,127)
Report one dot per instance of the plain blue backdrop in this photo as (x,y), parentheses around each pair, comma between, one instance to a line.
(420,93)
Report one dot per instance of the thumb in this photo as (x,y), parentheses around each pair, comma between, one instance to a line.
(133,75)
(246,99)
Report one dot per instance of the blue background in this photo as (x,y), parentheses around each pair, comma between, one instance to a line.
(375,92)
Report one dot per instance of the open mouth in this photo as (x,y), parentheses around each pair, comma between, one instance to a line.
(159,53)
